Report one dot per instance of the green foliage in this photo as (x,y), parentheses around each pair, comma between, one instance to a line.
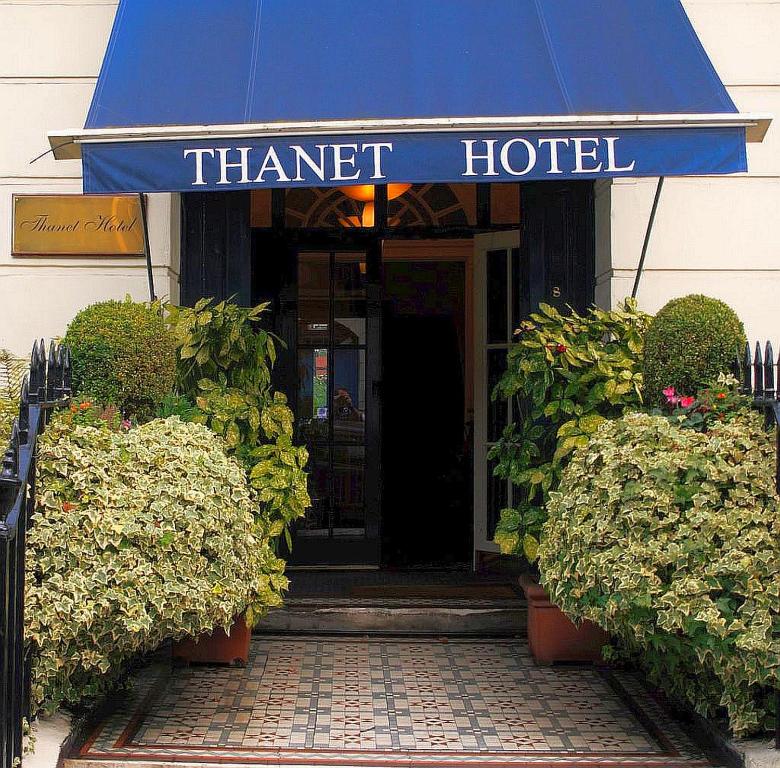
(223,343)
(12,370)
(225,360)
(566,374)
(140,536)
(689,342)
(9,410)
(177,405)
(123,355)
(670,539)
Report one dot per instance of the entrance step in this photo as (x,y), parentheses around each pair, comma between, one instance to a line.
(405,616)
(400,602)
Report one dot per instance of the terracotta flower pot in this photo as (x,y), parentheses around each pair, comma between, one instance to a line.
(552,635)
(218,647)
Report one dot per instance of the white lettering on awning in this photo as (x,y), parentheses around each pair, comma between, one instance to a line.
(519,156)
(291,163)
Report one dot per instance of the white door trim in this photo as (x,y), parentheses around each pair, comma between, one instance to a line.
(482,245)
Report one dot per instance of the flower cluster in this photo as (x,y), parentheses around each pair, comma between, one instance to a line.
(714,404)
(672,398)
(85,413)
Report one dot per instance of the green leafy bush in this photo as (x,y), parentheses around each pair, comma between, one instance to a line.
(123,354)
(689,342)
(670,539)
(224,364)
(9,410)
(139,536)
(565,374)
(12,370)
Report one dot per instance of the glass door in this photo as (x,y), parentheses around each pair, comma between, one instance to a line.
(499,305)
(335,339)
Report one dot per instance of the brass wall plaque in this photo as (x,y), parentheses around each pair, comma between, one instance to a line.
(77,225)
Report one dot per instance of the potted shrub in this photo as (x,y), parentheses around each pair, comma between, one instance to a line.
(566,373)
(672,545)
(552,635)
(135,544)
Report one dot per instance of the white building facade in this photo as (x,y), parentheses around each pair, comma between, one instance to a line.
(718,236)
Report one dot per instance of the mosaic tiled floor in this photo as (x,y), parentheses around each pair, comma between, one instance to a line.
(377,702)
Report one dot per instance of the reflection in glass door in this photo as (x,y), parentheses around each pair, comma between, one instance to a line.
(333,401)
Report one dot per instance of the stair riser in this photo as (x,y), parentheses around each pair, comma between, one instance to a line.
(395,621)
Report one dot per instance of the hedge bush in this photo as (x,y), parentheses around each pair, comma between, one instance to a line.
(689,342)
(139,536)
(123,354)
(670,540)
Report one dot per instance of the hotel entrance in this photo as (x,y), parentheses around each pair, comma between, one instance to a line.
(394,307)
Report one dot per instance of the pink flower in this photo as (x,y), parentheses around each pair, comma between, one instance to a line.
(126,424)
(687,402)
(671,397)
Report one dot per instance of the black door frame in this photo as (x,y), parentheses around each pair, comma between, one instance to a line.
(345,552)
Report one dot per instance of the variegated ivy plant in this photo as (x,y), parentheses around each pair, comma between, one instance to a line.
(225,359)
(12,370)
(140,535)
(669,538)
(566,374)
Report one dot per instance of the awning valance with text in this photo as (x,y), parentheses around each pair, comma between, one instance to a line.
(230,94)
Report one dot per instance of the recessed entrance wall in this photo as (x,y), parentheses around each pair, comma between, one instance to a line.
(387,361)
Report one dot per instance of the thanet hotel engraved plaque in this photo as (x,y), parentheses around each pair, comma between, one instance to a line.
(77,225)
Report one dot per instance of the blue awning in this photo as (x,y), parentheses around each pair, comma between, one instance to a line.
(230,94)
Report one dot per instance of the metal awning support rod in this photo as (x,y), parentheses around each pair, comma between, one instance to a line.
(147,248)
(648,232)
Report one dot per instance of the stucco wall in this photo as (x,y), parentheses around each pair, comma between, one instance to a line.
(50,54)
(718,236)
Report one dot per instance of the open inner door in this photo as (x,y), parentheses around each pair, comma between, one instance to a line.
(500,302)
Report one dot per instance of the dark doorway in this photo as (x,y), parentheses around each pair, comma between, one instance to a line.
(426,463)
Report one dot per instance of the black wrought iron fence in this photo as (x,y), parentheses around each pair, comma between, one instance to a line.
(758,374)
(46,386)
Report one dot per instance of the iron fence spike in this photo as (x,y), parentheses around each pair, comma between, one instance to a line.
(758,373)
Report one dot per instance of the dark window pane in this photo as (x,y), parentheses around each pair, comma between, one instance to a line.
(497,498)
(313,275)
(497,409)
(496,296)
(349,515)
(316,521)
(312,322)
(349,322)
(505,204)
(349,395)
(313,394)
(521,303)
(349,276)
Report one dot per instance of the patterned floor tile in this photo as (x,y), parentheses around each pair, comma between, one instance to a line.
(392,702)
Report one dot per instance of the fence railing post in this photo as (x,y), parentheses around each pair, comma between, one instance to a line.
(762,387)
(46,385)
